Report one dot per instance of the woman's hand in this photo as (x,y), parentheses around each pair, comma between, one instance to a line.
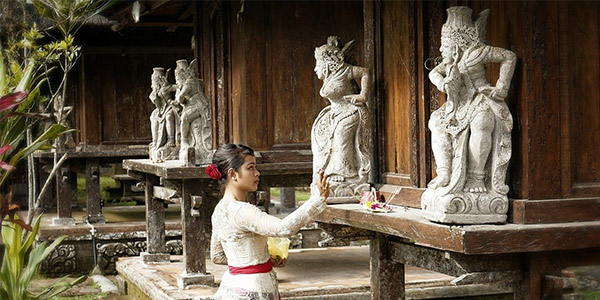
(278,262)
(323,184)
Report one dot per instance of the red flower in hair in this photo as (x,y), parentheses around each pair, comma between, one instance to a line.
(213,172)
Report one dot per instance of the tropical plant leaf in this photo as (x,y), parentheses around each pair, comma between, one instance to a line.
(51,133)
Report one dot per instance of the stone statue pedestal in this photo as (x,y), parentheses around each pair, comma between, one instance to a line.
(464,208)
(163,153)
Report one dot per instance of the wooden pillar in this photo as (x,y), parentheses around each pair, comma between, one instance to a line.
(542,279)
(194,215)
(155,224)
(92,191)
(46,202)
(288,197)
(64,195)
(387,276)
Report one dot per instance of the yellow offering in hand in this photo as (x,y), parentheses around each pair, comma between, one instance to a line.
(278,247)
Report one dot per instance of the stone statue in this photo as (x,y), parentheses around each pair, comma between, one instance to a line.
(195,127)
(164,119)
(340,136)
(470,133)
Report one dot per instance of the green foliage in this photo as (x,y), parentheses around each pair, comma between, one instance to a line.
(19,269)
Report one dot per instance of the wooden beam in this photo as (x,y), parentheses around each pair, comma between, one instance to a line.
(555,210)
(468,268)
(409,223)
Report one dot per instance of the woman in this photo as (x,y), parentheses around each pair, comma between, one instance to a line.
(240,229)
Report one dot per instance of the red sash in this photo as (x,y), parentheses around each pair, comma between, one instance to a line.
(261,268)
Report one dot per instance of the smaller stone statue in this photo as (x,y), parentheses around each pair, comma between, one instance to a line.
(470,133)
(340,136)
(164,119)
(195,124)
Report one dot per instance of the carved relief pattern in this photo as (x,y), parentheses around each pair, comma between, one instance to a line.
(62,260)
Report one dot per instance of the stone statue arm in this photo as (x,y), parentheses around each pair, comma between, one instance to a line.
(365,85)
(508,61)
(437,76)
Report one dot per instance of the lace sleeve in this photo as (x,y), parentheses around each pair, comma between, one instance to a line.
(216,251)
(253,219)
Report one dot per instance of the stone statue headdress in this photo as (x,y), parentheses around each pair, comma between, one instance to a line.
(460,27)
(331,54)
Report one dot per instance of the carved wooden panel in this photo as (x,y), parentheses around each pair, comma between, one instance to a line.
(580,97)
(398,90)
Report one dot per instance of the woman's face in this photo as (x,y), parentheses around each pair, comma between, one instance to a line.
(320,68)
(246,178)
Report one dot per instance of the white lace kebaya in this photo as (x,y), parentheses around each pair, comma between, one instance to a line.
(239,239)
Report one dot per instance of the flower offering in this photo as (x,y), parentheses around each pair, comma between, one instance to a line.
(373,201)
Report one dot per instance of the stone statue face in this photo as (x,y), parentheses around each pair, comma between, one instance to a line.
(320,68)
(446,49)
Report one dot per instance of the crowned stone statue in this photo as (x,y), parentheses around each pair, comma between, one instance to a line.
(195,121)
(340,136)
(164,119)
(470,133)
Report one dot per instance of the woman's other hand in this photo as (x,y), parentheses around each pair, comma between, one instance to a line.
(278,262)
(323,184)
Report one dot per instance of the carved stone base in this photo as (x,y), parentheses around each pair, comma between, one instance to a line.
(185,280)
(163,153)
(464,208)
(63,221)
(155,258)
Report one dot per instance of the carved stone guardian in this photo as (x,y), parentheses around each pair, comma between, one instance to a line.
(164,119)
(471,132)
(340,136)
(195,123)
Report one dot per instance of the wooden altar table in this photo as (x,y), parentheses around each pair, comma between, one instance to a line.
(528,258)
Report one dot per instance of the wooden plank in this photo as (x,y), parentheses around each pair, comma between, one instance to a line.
(405,196)
(403,222)
(175,169)
(397,179)
(530,238)
(581,138)
(422,93)
(543,117)
(555,210)
(474,239)
(397,76)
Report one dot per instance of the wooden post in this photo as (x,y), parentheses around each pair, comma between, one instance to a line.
(542,279)
(155,225)
(92,186)
(387,276)
(288,197)
(194,215)
(64,195)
